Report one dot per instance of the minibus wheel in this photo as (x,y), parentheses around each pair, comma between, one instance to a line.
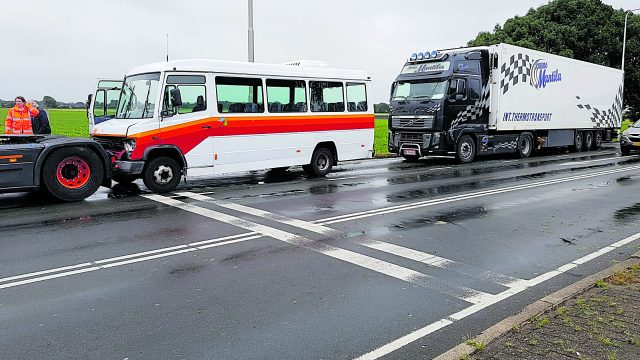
(321,162)
(162,174)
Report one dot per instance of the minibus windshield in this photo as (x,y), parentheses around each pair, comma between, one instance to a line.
(138,96)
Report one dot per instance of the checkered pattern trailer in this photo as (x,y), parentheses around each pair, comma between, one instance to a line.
(537,90)
(518,70)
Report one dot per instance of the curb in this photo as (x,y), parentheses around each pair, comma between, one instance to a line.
(537,308)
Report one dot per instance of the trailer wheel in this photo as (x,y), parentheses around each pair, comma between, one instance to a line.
(466,149)
(577,142)
(162,175)
(597,141)
(525,146)
(321,162)
(72,173)
(588,140)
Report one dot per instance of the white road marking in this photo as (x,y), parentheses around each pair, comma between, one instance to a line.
(490,300)
(377,265)
(571,163)
(442,263)
(23,276)
(438,201)
(109,263)
(305,225)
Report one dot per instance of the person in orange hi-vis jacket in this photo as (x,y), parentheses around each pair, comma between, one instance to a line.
(18,119)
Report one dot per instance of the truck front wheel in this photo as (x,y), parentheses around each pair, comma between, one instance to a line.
(72,173)
(162,174)
(466,149)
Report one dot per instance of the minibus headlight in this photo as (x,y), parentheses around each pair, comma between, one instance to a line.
(129,146)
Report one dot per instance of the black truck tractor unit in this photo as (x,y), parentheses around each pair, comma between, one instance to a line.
(70,169)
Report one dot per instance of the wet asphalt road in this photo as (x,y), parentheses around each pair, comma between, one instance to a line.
(382,258)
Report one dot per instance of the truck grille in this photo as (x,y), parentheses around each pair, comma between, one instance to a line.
(110,143)
(411,137)
(412,122)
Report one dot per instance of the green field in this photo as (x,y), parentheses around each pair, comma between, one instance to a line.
(74,123)
(69,122)
(380,140)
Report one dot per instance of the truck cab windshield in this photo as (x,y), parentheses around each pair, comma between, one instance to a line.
(419,90)
(138,96)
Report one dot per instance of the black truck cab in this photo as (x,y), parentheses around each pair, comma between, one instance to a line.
(434,92)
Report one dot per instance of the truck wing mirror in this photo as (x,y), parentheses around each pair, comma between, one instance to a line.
(176,99)
(89,98)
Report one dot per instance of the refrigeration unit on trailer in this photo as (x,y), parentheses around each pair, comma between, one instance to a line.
(501,99)
(211,117)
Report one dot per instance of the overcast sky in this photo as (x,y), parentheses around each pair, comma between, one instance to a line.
(59,48)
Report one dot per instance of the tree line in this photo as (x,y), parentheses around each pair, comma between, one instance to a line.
(47,102)
(586,30)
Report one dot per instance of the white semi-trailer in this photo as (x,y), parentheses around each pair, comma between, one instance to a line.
(501,99)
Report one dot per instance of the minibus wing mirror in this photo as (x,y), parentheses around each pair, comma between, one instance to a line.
(176,99)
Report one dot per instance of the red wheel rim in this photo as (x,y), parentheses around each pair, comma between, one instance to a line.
(73,172)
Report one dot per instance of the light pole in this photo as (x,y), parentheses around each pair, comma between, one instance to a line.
(251,54)
(624,37)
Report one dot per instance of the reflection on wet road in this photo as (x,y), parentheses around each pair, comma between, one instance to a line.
(380,258)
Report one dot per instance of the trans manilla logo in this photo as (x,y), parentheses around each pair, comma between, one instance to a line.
(541,75)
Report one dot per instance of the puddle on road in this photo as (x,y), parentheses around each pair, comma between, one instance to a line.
(441,218)
(627,214)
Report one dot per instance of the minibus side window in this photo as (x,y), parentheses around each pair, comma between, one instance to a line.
(239,95)
(356,97)
(192,91)
(326,96)
(284,96)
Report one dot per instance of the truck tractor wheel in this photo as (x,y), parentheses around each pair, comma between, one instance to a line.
(597,140)
(577,142)
(411,158)
(588,140)
(162,174)
(466,149)
(525,146)
(321,162)
(72,173)
(123,179)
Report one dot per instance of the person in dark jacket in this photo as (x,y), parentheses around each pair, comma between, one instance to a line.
(40,123)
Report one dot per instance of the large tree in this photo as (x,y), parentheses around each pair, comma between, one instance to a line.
(586,30)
